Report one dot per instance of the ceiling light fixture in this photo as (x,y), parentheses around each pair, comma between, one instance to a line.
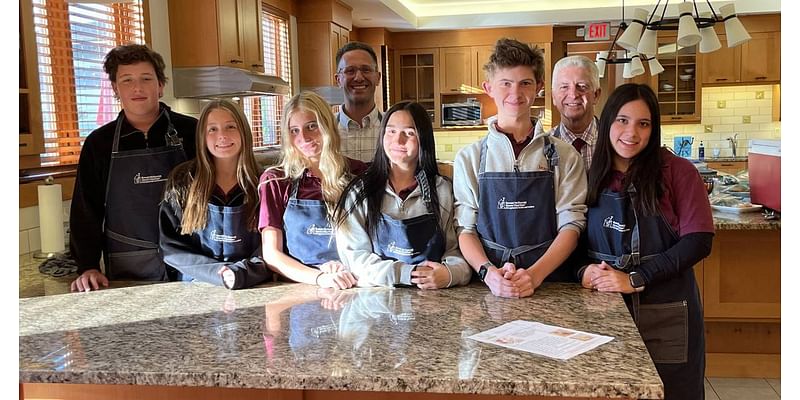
(640,37)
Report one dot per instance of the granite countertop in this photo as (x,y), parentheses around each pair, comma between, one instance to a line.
(295,336)
(744,221)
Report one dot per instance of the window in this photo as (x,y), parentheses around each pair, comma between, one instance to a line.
(71,41)
(265,112)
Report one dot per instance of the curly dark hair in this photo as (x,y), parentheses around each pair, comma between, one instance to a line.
(132,54)
(510,53)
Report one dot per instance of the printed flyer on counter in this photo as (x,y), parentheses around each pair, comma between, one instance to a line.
(547,340)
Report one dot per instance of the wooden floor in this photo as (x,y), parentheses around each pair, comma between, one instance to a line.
(32,284)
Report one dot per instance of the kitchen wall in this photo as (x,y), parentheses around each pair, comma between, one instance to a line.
(29,236)
(746,110)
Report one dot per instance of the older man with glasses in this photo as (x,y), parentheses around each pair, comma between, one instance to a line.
(359,119)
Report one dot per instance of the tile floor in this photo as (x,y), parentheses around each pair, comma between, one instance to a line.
(32,283)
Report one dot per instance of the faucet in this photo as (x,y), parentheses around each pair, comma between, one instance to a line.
(732,141)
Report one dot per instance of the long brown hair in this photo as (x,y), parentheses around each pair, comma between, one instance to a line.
(198,175)
(332,164)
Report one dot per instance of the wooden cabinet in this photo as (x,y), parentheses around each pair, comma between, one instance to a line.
(756,61)
(31,137)
(216,33)
(678,87)
(457,70)
(323,26)
(761,58)
(731,167)
(416,79)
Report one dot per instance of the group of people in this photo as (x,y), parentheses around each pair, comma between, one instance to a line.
(595,200)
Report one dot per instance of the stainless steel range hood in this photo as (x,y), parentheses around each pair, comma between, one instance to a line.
(213,82)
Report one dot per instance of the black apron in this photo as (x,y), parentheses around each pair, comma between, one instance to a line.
(135,185)
(668,314)
(517,213)
(308,231)
(412,240)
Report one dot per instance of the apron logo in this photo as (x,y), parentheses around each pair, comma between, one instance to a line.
(392,248)
(224,238)
(315,230)
(502,204)
(140,180)
(611,224)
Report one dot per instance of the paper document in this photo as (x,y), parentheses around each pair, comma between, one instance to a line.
(547,340)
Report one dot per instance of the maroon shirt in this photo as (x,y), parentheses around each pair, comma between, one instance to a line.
(685,202)
(275,193)
(517,146)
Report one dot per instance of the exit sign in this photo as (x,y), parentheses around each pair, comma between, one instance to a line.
(597,31)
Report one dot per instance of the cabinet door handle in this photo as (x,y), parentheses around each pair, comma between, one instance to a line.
(761,77)
(235,61)
(722,79)
(257,65)
(23,145)
(726,165)
(675,117)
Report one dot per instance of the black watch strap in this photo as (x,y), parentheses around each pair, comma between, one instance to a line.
(484,269)
(637,280)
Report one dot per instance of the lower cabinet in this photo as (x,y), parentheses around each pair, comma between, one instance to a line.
(741,290)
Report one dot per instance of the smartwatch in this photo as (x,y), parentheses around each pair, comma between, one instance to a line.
(484,269)
(637,280)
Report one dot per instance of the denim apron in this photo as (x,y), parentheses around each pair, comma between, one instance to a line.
(227,236)
(411,240)
(309,234)
(135,185)
(517,213)
(668,314)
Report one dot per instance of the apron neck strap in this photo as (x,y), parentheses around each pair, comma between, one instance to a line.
(171,135)
(424,187)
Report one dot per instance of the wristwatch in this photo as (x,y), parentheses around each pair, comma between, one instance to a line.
(484,269)
(637,280)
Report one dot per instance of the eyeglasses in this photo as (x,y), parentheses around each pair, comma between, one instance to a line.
(352,70)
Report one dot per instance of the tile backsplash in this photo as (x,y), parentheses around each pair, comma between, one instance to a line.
(29,236)
(743,110)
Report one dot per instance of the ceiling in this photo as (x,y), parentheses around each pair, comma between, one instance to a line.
(403,15)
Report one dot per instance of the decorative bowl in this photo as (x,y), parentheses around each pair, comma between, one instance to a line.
(688,70)
(667,87)
(686,77)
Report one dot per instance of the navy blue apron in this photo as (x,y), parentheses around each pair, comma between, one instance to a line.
(227,236)
(135,185)
(412,240)
(309,234)
(668,313)
(517,213)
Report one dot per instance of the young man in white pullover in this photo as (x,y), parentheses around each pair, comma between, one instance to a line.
(519,197)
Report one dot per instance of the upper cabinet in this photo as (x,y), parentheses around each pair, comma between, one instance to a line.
(756,61)
(458,70)
(416,79)
(323,26)
(207,33)
(678,88)
(31,138)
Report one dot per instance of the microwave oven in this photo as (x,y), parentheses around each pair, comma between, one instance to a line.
(466,113)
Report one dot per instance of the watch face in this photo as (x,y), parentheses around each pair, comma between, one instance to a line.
(636,280)
(482,272)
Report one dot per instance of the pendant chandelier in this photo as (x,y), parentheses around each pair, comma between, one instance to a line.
(639,40)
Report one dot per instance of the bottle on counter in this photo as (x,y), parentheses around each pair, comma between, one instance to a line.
(701,152)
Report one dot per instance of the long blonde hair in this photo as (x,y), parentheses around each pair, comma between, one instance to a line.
(332,164)
(199,174)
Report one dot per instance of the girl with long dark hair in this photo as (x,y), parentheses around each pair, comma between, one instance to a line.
(395,221)
(210,208)
(649,223)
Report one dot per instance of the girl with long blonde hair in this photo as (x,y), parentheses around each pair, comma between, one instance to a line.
(299,195)
(210,208)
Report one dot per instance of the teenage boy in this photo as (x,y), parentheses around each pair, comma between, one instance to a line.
(519,197)
(121,174)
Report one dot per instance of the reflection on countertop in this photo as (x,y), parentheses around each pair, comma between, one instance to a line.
(295,336)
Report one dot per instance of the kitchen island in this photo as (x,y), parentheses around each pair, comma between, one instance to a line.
(190,340)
